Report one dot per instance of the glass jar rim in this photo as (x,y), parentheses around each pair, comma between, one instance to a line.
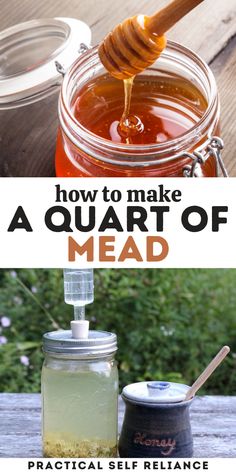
(75,131)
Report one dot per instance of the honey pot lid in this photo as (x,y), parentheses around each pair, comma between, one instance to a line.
(28,55)
(155,392)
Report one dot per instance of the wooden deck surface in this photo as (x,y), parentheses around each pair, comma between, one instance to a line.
(213,421)
(209,30)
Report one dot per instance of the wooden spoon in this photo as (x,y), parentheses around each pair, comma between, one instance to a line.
(207,372)
(136,43)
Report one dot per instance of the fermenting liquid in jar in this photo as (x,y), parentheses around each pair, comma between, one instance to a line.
(70,394)
(79,395)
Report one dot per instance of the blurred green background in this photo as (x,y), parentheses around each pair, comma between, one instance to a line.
(169,322)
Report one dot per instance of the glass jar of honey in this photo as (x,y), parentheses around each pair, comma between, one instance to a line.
(176,101)
(79,394)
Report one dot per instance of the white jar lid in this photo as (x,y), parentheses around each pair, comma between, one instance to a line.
(155,392)
(28,52)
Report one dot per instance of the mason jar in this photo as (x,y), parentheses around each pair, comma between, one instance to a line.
(79,395)
(196,152)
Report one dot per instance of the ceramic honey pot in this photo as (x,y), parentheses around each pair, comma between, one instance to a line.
(157,421)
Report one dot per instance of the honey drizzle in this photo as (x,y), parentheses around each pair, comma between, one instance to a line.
(128,86)
(129,125)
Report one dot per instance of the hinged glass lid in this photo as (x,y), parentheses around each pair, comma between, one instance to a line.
(28,53)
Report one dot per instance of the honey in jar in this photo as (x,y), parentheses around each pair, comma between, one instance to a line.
(174,108)
(162,109)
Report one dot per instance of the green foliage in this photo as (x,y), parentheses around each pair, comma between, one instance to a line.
(169,322)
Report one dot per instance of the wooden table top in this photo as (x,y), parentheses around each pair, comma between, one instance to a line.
(209,31)
(213,420)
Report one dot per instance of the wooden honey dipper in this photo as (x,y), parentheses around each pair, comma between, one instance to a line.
(207,372)
(136,43)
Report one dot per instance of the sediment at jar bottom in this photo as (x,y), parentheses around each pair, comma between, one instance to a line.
(56,446)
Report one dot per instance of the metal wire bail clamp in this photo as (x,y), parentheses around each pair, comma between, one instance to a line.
(213,147)
(82,49)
